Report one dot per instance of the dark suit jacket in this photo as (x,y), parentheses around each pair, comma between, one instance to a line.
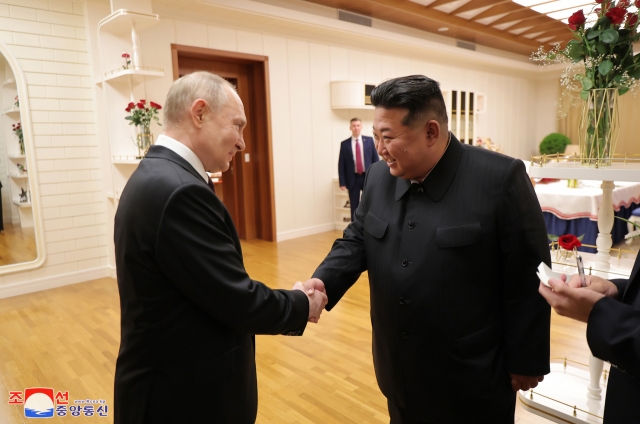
(346,164)
(188,308)
(613,334)
(454,293)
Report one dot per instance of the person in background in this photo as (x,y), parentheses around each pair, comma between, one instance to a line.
(357,153)
(189,311)
(451,236)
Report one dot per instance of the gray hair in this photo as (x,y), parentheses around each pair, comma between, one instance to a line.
(187,89)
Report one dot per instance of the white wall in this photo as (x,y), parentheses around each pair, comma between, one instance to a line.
(48,39)
(307,132)
(56,44)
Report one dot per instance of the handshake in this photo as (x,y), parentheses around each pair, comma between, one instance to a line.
(317,295)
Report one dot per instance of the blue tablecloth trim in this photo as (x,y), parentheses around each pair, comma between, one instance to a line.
(587,227)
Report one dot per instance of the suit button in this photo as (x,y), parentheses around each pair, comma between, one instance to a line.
(405,262)
(404,335)
(401,301)
(420,190)
(411,224)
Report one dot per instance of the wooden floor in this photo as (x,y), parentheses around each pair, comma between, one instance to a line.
(67,338)
(17,245)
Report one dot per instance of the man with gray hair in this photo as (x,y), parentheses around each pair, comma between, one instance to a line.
(188,308)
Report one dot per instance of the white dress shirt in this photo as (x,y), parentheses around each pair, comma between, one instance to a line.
(353,149)
(184,152)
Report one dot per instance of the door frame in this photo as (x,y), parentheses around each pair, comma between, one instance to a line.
(263,152)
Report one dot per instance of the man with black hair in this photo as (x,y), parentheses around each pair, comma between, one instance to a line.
(451,236)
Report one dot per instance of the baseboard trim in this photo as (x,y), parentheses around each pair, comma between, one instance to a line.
(302,232)
(32,286)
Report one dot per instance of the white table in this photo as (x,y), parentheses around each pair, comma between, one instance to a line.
(629,172)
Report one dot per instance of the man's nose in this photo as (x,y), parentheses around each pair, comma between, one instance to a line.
(241,144)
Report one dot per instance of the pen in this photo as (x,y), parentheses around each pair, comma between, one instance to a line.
(583,281)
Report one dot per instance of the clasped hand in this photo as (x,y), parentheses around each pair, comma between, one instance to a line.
(317,295)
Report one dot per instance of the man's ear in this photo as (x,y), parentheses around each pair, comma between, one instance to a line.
(198,110)
(432,131)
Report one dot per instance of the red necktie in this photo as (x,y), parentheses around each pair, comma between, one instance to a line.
(359,165)
(211,186)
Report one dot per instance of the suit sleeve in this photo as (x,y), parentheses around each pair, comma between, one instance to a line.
(613,334)
(341,167)
(523,242)
(346,260)
(196,251)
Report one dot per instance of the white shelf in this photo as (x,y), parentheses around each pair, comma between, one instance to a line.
(121,21)
(11,156)
(568,170)
(135,162)
(11,111)
(138,74)
(340,208)
(113,195)
(9,83)
(19,177)
(22,204)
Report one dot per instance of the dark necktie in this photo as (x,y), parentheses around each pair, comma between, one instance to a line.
(211,186)
(359,165)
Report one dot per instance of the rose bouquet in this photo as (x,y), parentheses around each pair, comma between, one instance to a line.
(141,116)
(17,130)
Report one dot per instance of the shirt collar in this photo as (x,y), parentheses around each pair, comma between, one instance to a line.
(184,152)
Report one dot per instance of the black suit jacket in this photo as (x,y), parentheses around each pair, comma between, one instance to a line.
(188,308)
(346,164)
(613,334)
(452,273)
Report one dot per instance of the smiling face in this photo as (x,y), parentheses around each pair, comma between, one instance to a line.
(220,133)
(409,151)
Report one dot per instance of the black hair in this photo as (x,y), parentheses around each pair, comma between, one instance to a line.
(418,94)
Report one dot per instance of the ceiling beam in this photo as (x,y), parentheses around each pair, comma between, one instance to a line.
(499,9)
(556,33)
(518,16)
(547,27)
(440,3)
(540,21)
(477,4)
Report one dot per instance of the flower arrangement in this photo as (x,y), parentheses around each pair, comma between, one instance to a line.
(17,130)
(21,168)
(126,60)
(601,52)
(141,116)
(568,243)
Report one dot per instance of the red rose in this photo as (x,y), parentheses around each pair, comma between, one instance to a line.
(600,1)
(140,105)
(632,18)
(569,241)
(155,105)
(125,55)
(143,101)
(131,105)
(615,14)
(637,3)
(623,3)
(128,109)
(577,20)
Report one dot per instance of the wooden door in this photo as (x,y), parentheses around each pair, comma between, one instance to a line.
(247,187)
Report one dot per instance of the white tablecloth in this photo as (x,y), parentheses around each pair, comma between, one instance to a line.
(583,202)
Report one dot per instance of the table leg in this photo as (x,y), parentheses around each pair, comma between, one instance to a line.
(604,243)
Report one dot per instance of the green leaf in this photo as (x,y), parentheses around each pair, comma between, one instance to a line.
(609,36)
(575,50)
(581,237)
(584,95)
(601,48)
(552,237)
(586,84)
(591,33)
(617,79)
(605,67)
(627,221)
(622,90)
(635,73)
(591,129)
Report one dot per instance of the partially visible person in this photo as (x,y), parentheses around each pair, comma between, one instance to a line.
(611,310)
(189,311)
(357,153)
(451,236)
